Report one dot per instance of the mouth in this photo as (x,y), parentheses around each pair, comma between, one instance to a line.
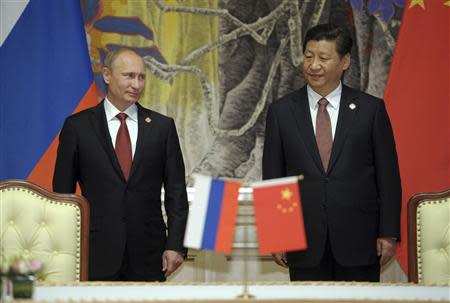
(315,77)
(134,95)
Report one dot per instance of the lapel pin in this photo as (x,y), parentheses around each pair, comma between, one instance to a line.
(148,120)
(352,106)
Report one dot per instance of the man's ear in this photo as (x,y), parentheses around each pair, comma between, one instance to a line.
(346,61)
(106,75)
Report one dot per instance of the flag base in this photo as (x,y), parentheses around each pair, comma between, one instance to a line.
(246,295)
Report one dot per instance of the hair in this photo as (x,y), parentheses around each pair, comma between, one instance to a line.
(330,32)
(112,56)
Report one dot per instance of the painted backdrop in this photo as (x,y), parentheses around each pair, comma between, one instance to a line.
(215,65)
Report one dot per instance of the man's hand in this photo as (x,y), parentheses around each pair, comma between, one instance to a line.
(386,249)
(280,259)
(171,260)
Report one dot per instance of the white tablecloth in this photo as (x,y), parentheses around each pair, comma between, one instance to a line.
(263,291)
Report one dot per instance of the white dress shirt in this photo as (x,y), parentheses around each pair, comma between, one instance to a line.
(334,99)
(114,123)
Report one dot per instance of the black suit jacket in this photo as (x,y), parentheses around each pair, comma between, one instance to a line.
(125,214)
(359,198)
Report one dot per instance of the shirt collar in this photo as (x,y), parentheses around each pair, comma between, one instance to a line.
(111,111)
(333,98)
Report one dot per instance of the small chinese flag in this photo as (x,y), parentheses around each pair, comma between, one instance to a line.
(279,215)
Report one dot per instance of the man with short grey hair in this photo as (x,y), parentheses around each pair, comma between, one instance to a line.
(121,154)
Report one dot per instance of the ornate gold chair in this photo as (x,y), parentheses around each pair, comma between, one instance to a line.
(54,228)
(429,238)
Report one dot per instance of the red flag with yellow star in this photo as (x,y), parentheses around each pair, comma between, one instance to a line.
(279,215)
(417,97)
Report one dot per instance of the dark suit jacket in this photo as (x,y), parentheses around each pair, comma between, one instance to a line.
(359,198)
(125,214)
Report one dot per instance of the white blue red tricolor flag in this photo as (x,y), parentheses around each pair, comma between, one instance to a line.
(212,215)
(45,75)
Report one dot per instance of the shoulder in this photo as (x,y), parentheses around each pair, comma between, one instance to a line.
(288,100)
(154,115)
(360,94)
(84,115)
(362,98)
(157,119)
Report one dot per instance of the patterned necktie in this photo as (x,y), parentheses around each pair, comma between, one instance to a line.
(123,146)
(324,136)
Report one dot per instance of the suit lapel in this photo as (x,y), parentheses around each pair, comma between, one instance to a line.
(144,128)
(302,114)
(100,125)
(348,109)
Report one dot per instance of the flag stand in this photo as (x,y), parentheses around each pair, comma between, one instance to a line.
(291,180)
(245,293)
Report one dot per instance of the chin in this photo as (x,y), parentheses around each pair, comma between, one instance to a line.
(315,85)
(131,101)
(314,82)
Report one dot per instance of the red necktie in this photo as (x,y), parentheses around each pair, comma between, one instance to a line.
(123,146)
(324,136)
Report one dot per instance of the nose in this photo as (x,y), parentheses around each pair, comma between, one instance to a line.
(315,64)
(135,83)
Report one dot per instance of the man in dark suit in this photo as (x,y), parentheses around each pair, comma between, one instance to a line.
(341,141)
(121,154)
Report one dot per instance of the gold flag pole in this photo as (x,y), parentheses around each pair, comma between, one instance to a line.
(245,292)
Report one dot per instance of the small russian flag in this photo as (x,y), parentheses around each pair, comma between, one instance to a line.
(212,215)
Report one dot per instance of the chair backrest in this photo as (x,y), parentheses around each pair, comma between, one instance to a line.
(53,228)
(429,238)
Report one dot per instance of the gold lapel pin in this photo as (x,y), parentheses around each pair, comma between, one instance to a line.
(148,120)
(352,106)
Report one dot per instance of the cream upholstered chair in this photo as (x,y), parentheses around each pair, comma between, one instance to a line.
(429,238)
(54,228)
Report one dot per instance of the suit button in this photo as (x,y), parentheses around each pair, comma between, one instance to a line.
(327,180)
(324,207)
(124,220)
